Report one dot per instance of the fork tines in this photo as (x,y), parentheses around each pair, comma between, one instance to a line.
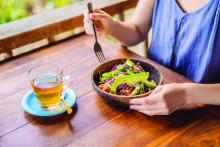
(99,52)
(100,56)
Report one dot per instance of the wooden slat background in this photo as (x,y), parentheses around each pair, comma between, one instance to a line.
(46,25)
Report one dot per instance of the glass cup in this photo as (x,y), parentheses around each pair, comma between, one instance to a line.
(47,82)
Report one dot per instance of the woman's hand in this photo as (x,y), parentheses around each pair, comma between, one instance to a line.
(164,100)
(103,22)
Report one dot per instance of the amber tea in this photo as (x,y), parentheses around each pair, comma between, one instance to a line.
(48,93)
(47,84)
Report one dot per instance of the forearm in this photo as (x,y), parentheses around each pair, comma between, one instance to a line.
(203,93)
(127,33)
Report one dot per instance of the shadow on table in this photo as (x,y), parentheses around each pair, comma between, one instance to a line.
(111,104)
(213,109)
(64,117)
(180,118)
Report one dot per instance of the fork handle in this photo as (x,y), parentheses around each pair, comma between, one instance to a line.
(89,5)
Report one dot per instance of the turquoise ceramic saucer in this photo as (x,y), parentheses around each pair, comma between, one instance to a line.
(32,106)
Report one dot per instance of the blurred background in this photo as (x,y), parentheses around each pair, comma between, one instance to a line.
(11,10)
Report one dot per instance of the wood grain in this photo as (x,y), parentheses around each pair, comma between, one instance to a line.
(133,129)
(59,132)
(94,121)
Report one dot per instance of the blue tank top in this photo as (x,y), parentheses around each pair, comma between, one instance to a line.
(188,43)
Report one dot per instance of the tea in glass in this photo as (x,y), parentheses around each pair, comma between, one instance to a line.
(46,81)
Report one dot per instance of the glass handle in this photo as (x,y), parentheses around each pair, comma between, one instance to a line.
(67,82)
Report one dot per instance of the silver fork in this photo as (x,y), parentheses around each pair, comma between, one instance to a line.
(97,47)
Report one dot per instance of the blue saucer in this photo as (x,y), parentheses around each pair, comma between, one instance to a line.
(32,106)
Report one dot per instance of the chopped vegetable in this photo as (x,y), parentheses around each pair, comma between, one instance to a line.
(112,73)
(129,62)
(129,72)
(148,83)
(104,87)
(136,90)
(114,68)
(130,79)
(126,79)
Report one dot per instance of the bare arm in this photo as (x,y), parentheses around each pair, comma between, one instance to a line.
(203,93)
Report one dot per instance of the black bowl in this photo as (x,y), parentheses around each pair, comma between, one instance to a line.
(155,75)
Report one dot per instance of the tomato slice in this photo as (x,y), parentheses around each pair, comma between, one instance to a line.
(105,87)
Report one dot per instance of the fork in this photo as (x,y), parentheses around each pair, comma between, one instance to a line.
(97,47)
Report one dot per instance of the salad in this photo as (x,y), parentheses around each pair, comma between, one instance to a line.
(127,79)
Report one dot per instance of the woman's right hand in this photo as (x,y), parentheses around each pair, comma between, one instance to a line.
(103,22)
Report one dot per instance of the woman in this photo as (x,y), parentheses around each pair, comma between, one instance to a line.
(185,38)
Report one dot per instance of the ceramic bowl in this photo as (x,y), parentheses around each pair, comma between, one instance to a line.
(155,75)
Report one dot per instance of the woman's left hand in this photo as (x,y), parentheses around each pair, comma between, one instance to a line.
(164,100)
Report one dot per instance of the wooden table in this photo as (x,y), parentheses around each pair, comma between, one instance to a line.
(94,122)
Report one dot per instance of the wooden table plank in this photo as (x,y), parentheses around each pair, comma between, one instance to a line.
(8,124)
(205,132)
(91,111)
(134,129)
(94,118)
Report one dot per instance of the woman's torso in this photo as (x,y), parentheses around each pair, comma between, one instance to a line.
(187,42)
